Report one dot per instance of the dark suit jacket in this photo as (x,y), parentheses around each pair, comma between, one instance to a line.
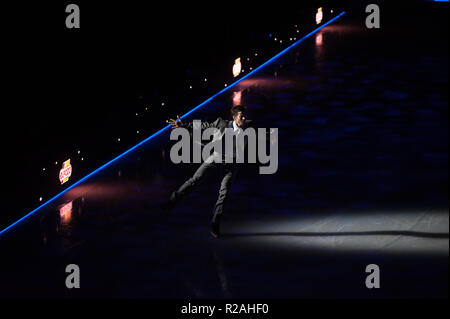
(220,124)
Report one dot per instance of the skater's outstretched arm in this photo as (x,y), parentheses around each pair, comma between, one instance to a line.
(175,123)
(189,125)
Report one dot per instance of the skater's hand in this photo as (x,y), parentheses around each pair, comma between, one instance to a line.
(175,123)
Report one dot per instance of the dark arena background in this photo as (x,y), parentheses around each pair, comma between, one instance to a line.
(362,178)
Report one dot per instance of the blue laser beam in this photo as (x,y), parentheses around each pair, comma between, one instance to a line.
(167,126)
(264,64)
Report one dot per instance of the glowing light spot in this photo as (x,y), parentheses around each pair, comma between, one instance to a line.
(237,67)
(65,212)
(65,172)
(319,15)
(319,39)
(237,98)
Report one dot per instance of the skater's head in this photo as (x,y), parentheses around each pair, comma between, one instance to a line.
(239,114)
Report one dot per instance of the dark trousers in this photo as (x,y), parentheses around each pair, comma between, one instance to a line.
(229,172)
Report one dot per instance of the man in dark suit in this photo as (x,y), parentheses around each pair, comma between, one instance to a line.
(216,160)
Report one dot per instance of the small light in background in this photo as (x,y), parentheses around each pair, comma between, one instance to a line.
(237,98)
(43,169)
(118,140)
(319,39)
(162,103)
(237,67)
(190,86)
(65,172)
(137,132)
(65,212)
(82,158)
(206,79)
(319,15)
(78,152)
(56,163)
(40,199)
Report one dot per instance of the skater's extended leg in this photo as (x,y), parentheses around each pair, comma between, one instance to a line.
(198,177)
(225,187)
